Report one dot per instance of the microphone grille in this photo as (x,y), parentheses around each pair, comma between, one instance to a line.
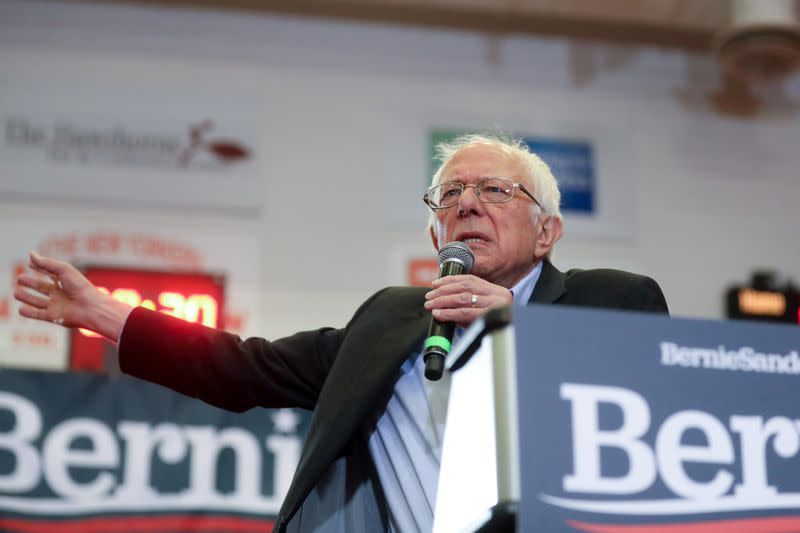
(457,251)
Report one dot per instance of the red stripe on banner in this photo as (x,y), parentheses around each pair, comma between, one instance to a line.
(139,524)
(772,524)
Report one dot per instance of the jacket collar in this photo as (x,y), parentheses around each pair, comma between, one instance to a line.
(551,285)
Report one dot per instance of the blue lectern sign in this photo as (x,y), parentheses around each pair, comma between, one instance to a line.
(638,423)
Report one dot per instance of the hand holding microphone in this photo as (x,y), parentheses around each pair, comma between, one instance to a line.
(454,258)
(458,298)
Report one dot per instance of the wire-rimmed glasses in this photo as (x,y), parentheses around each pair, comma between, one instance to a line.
(490,190)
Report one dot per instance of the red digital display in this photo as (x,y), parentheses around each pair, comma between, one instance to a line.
(190,296)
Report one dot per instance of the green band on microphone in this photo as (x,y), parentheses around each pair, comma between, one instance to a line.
(438,340)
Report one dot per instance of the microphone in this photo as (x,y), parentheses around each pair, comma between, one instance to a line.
(454,258)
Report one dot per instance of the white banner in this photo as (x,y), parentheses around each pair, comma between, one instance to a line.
(116,143)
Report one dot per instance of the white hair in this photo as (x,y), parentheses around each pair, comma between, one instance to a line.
(537,172)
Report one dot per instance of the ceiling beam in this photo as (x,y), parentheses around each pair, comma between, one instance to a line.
(683,24)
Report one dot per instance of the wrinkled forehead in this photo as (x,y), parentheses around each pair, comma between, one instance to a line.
(473,162)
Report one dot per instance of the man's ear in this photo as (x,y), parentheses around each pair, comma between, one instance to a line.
(434,239)
(551,231)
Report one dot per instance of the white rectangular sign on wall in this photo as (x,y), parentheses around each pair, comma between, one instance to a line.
(231,250)
(133,144)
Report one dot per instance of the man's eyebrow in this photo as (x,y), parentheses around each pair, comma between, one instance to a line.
(476,178)
(462,178)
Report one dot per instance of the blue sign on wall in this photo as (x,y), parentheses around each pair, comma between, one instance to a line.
(571,161)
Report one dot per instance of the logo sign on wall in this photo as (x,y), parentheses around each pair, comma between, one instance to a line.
(117,144)
(571,161)
(82,452)
(648,424)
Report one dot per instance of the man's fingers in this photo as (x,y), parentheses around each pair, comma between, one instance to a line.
(41,285)
(36,313)
(37,262)
(48,265)
(462,299)
(62,274)
(459,316)
(451,279)
(449,284)
(455,285)
(458,300)
(30,298)
(36,266)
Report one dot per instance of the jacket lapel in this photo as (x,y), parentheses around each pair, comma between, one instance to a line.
(367,370)
(551,285)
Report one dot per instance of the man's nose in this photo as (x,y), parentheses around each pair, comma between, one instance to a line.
(468,202)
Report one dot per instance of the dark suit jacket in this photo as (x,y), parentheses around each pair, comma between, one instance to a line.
(341,374)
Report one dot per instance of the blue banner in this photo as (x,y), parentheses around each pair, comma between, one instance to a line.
(572,163)
(648,424)
(84,452)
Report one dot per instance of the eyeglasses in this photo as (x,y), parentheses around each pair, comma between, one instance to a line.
(488,190)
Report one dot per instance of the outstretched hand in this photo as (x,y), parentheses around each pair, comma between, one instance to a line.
(462,299)
(59,293)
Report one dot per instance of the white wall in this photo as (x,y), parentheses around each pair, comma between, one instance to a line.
(709,198)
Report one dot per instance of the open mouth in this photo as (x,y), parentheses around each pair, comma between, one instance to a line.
(471,239)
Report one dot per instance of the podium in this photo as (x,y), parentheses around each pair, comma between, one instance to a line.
(570,419)
(480,449)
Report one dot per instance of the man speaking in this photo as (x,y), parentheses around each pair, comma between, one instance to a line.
(371,458)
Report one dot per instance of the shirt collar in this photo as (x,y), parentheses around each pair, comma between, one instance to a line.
(524,288)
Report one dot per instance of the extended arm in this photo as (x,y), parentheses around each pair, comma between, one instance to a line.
(215,366)
(221,368)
